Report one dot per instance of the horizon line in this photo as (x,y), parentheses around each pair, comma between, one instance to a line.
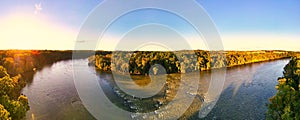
(141,50)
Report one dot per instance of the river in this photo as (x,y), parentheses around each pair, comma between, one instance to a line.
(52,93)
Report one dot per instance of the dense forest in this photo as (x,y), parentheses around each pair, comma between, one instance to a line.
(285,105)
(17,67)
(139,62)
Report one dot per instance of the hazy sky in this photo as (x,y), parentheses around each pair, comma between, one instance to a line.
(242,24)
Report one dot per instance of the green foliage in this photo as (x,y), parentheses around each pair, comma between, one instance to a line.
(6,86)
(19,64)
(139,62)
(6,83)
(4,114)
(286,103)
(9,107)
(3,72)
(16,108)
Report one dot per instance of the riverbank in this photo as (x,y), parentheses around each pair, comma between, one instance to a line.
(140,62)
(53,95)
(285,104)
(245,94)
(21,65)
(17,69)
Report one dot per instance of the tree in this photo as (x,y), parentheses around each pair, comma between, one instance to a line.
(3,72)
(6,86)
(17,109)
(4,114)
(286,103)
(9,107)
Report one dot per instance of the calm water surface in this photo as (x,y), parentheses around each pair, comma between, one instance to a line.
(52,94)
(247,90)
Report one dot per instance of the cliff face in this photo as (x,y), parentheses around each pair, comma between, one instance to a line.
(139,62)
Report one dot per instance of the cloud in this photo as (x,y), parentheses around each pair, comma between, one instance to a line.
(38,8)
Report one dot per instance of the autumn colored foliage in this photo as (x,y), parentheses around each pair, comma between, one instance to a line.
(139,62)
(17,67)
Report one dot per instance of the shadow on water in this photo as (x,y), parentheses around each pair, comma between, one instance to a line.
(246,91)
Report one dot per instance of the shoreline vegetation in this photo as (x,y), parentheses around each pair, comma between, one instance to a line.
(140,62)
(17,67)
(285,104)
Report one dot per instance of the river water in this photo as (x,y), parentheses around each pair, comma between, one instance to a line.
(53,95)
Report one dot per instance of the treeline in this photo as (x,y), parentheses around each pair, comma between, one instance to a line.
(139,62)
(22,61)
(17,67)
(285,105)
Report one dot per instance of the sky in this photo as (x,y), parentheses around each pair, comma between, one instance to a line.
(242,25)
